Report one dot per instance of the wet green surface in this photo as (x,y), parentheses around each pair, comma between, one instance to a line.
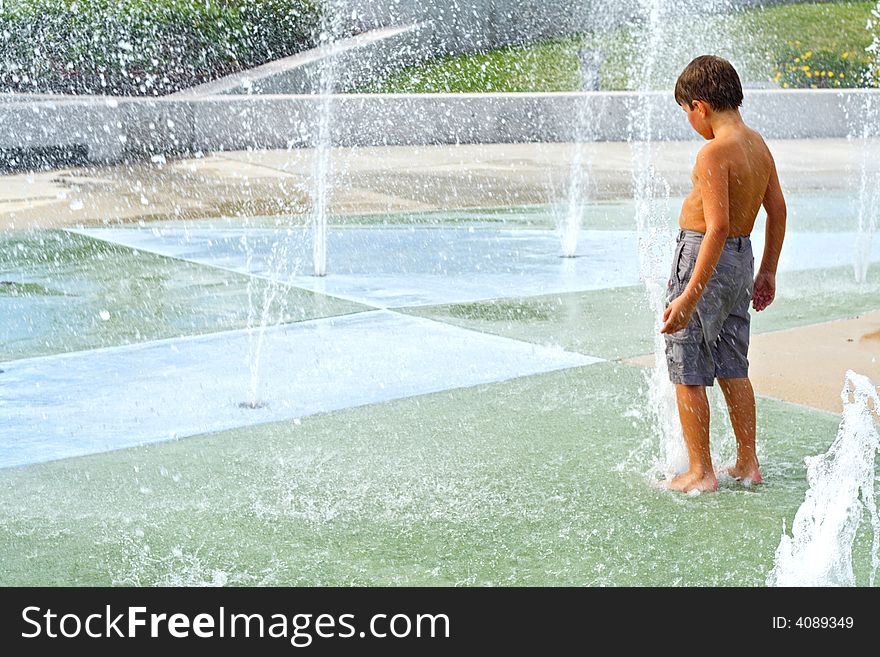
(820,295)
(610,324)
(61,292)
(538,480)
(615,324)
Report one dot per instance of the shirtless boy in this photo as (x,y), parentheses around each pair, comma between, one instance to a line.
(706,322)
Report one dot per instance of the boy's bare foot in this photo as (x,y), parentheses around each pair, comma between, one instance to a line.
(693,481)
(746,473)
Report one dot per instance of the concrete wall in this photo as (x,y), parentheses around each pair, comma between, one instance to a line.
(114,129)
(276,121)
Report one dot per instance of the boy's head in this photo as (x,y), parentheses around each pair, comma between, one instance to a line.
(712,80)
(707,85)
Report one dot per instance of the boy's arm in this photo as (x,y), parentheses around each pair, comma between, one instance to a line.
(712,171)
(764,290)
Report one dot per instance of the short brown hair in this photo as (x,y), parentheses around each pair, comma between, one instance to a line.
(710,79)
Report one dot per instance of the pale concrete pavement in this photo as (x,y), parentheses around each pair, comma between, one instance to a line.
(374,179)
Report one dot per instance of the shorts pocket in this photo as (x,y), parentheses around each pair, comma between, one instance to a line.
(681,337)
(676,260)
(684,267)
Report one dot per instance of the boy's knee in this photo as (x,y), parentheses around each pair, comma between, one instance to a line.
(690,391)
(733,381)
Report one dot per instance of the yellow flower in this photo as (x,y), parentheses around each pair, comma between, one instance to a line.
(808,54)
(845,55)
(809,75)
(785,85)
(830,74)
(805,68)
(797,59)
(843,75)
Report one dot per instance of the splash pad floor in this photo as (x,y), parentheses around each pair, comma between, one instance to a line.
(86,402)
(535,479)
(400,267)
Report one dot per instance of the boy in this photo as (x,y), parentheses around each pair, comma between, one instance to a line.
(706,322)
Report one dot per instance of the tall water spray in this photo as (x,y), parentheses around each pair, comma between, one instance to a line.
(321,191)
(579,172)
(655,238)
(280,264)
(869,183)
(271,308)
(841,488)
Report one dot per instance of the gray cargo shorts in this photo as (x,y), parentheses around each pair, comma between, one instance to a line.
(715,343)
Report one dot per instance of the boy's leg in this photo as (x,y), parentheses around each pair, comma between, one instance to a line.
(693,409)
(741,405)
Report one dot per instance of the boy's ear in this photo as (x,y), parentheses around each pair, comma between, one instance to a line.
(701,106)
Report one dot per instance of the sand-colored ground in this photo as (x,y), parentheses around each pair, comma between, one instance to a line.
(377,179)
(807,365)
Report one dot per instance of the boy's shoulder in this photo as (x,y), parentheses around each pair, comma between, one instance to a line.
(712,153)
(719,149)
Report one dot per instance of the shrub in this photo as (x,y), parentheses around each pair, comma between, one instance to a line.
(144,47)
(801,68)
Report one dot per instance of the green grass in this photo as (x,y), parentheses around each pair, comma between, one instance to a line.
(533,481)
(756,40)
(62,292)
(826,25)
(547,66)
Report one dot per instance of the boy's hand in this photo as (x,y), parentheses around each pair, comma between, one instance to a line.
(678,313)
(764,290)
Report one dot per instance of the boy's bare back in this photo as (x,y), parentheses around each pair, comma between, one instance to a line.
(750,173)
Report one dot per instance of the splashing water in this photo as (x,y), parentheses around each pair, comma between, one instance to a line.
(322,168)
(260,316)
(570,225)
(664,23)
(869,184)
(271,308)
(581,163)
(280,264)
(651,193)
(841,483)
